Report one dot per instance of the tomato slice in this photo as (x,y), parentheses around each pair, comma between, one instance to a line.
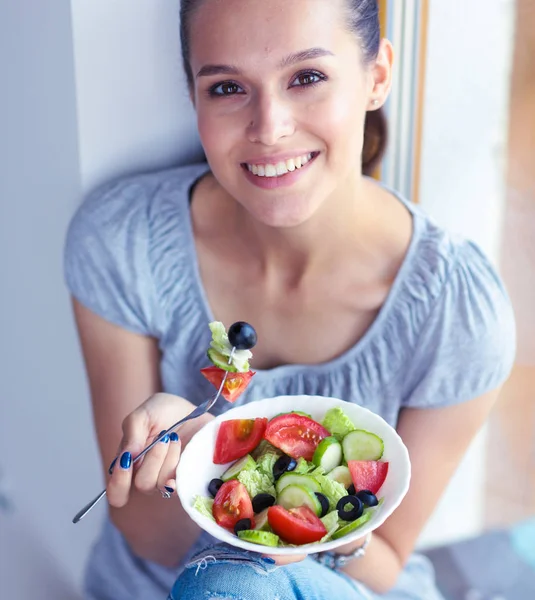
(238,437)
(296,435)
(368,474)
(234,385)
(232,503)
(297,525)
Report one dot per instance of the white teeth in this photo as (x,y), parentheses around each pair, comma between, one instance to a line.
(281,168)
(271,171)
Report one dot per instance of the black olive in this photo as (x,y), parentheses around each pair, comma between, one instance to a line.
(242,525)
(242,336)
(283,465)
(262,501)
(213,487)
(351,490)
(354,512)
(367,498)
(324,503)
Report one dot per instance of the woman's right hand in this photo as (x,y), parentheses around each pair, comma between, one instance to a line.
(156,471)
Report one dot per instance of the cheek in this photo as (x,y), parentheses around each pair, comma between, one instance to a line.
(339,120)
(219,133)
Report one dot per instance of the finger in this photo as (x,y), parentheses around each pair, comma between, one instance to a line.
(136,430)
(168,470)
(285,560)
(118,487)
(168,488)
(146,479)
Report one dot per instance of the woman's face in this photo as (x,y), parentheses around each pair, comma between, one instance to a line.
(281,92)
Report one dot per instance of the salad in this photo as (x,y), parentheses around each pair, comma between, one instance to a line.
(293,480)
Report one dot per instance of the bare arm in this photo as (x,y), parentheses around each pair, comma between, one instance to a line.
(123,371)
(437,440)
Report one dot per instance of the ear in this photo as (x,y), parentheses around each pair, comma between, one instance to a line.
(381,76)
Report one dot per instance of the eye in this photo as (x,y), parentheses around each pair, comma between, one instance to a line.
(308,78)
(227,88)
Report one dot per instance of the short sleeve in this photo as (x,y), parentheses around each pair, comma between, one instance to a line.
(467,345)
(107,257)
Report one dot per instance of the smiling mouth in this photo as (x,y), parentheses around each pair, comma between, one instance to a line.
(280,168)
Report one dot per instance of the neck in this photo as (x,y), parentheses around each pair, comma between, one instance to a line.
(342,224)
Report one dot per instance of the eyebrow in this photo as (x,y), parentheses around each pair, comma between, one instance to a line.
(291,59)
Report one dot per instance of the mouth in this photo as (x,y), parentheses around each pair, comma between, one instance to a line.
(280,168)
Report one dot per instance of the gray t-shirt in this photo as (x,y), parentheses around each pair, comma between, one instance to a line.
(445,334)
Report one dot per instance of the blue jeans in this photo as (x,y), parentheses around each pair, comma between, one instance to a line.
(223,572)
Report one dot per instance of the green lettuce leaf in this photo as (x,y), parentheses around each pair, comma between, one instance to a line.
(338,423)
(221,344)
(303,467)
(204,506)
(332,490)
(330,520)
(257,482)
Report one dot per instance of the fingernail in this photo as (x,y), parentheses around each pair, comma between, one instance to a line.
(169,489)
(165,439)
(110,470)
(126,460)
(268,560)
(174,436)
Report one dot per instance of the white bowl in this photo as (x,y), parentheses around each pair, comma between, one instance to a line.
(196,468)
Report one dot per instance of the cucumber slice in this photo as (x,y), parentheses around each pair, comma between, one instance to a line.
(328,454)
(264,538)
(247,463)
(261,521)
(362,445)
(342,475)
(294,496)
(220,360)
(296,479)
(350,527)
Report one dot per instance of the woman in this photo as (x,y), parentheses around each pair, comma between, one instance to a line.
(354,293)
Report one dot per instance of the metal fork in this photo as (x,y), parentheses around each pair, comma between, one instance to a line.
(197,412)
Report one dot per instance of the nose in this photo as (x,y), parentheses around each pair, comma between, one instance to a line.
(272,119)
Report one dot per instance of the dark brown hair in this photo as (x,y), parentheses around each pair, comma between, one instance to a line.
(363,20)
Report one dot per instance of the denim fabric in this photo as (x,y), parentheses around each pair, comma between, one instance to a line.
(225,573)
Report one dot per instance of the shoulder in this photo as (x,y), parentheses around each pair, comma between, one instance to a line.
(465,339)
(137,201)
(126,251)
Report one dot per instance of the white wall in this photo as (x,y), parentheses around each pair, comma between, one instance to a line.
(47,451)
(462,185)
(133,106)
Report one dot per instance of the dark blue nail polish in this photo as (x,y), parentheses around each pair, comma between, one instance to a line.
(165,439)
(169,489)
(126,460)
(268,560)
(110,470)
(174,436)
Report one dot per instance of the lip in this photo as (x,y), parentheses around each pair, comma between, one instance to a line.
(273,159)
(270,183)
